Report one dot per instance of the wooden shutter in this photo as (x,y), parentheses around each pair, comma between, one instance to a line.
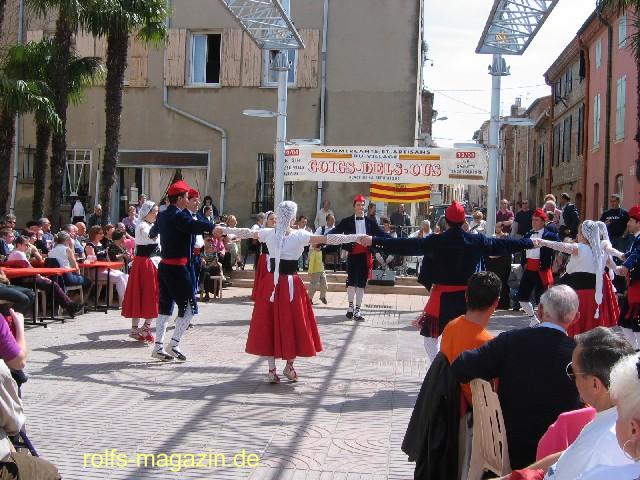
(307,74)
(176,51)
(137,61)
(85,44)
(231,57)
(34,35)
(251,62)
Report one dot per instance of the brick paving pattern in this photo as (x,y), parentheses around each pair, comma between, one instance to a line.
(92,390)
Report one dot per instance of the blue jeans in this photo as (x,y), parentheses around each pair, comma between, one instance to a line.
(73,279)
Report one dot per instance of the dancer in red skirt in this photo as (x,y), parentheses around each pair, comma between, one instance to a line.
(262,264)
(586,275)
(141,296)
(283,324)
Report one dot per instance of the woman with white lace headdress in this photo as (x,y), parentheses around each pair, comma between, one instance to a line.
(283,324)
(141,296)
(585,273)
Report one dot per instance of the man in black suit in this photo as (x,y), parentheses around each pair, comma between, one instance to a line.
(197,241)
(530,364)
(537,275)
(359,261)
(570,216)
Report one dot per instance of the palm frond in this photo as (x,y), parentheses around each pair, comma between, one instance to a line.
(84,72)
(22,96)
(72,9)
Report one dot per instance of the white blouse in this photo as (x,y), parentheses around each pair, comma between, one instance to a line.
(293,246)
(142,234)
(584,261)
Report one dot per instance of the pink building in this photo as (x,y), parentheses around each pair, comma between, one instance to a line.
(611,101)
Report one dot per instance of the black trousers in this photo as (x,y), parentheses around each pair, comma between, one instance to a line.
(501,266)
(529,284)
(21,297)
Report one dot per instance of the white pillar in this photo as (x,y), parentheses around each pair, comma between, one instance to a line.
(494,128)
(281,130)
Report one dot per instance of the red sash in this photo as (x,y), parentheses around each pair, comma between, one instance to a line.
(431,313)
(546,276)
(182,261)
(360,250)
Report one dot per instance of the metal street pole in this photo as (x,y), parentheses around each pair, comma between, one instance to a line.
(498,69)
(281,65)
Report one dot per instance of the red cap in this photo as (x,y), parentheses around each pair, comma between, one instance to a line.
(178,187)
(358,198)
(454,213)
(540,214)
(193,193)
(634,212)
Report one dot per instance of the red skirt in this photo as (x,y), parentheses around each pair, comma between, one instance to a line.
(141,296)
(283,329)
(609,309)
(261,269)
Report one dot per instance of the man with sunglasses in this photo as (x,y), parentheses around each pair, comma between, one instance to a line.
(530,365)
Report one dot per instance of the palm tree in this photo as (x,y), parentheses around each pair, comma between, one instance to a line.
(18,96)
(66,26)
(117,20)
(632,7)
(35,61)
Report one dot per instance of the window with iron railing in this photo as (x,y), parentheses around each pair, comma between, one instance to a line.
(264,184)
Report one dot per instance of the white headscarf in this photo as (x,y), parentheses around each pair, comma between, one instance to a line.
(285,213)
(147,206)
(595,233)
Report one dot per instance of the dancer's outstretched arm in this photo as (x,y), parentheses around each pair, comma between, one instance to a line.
(335,238)
(564,247)
(241,233)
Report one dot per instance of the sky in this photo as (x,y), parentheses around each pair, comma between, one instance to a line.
(459,77)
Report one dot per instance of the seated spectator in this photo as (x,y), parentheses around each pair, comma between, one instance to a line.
(77,247)
(21,297)
(625,392)
(117,251)
(107,238)
(130,220)
(94,248)
(33,254)
(82,232)
(129,241)
(232,248)
(211,256)
(596,353)
(7,237)
(530,365)
(470,330)
(62,252)
(425,231)
(47,236)
(19,256)
(385,261)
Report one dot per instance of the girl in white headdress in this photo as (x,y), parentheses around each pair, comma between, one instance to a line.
(283,324)
(262,264)
(141,296)
(586,275)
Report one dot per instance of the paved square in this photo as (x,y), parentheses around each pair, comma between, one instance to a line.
(97,403)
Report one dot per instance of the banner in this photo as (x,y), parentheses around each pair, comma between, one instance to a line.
(399,192)
(386,164)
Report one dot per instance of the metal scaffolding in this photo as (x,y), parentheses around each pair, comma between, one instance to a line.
(512,24)
(267,22)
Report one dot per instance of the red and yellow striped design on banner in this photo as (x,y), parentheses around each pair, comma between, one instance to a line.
(399,192)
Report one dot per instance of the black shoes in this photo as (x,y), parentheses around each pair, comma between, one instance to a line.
(177,354)
(323,300)
(349,314)
(73,308)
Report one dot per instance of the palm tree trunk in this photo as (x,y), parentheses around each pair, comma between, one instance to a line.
(7,132)
(62,45)
(43,136)
(3,4)
(117,45)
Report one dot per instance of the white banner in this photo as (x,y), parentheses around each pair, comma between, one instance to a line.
(386,164)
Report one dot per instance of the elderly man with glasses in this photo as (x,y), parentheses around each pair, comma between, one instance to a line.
(530,364)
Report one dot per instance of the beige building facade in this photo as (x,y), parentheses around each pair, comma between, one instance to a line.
(183,105)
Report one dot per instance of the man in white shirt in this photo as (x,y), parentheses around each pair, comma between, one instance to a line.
(596,353)
(321,215)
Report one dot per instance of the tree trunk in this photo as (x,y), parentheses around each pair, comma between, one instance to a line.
(117,45)
(62,53)
(7,132)
(3,4)
(43,136)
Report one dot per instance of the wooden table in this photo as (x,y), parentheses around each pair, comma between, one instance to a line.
(96,266)
(26,272)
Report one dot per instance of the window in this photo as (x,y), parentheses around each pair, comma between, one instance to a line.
(28,160)
(288,191)
(622,31)
(264,184)
(566,141)
(556,144)
(77,174)
(269,76)
(598,55)
(541,160)
(568,82)
(580,134)
(619,186)
(557,94)
(205,59)
(596,196)
(621,94)
(596,121)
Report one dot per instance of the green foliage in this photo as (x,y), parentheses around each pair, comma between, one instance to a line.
(146,17)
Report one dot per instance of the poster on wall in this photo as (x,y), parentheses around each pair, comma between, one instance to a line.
(415,165)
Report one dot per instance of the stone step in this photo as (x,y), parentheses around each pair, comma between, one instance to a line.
(338,277)
(247,282)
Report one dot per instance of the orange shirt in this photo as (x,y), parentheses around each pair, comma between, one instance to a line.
(459,335)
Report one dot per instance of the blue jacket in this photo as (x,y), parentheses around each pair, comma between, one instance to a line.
(450,258)
(546,254)
(632,261)
(348,226)
(176,228)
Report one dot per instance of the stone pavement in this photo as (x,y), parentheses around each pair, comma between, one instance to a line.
(97,403)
